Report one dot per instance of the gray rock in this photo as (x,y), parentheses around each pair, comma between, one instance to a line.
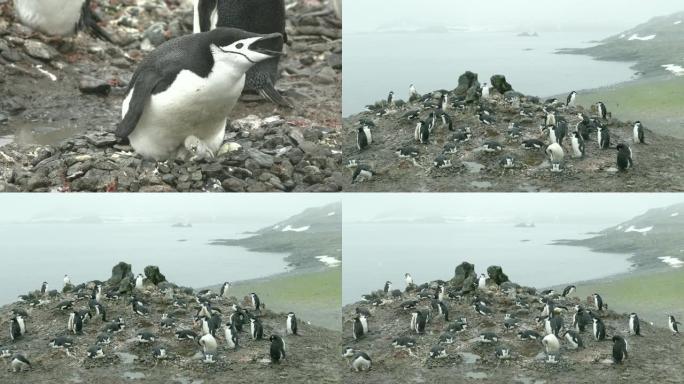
(153,275)
(496,274)
(500,84)
(40,50)
(155,33)
(465,82)
(464,272)
(233,184)
(101,139)
(92,86)
(262,159)
(120,272)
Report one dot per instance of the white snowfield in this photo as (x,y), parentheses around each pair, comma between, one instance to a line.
(673,262)
(677,70)
(644,38)
(329,261)
(640,230)
(290,228)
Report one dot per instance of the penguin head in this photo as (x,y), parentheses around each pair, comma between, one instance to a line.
(242,48)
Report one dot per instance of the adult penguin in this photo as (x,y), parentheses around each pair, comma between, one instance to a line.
(258,16)
(59,17)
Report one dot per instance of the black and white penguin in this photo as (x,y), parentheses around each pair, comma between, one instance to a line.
(485,91)
(532,144)
(573,339)
(602,111)
(438,352)
(503,353)
(139,281)
(362,173)
(256,303)
(570,101)
(160,353)
(404,342)
(603,137)
(390,98)
(550,119)
(411,115)
(208,344)
(256,329)
(556,323)
(577,143)
(599,330)
(482,309)
(408,279)
(291,324)
(95,352)
(231,335)
(551,347)
(638,134)
(634,326)
(672,324)
(443,102)
(488,337)
(361,362)
(461,137)
(103,338)
(357,328)
(491,146)
(510,322)
(443,310)
(447,121)
(139,308)
(598,301)
(442,161)
(75,323)
(363,137)
(529,335)
(256,16)
(619,349)
(418,321)
(19,363)
(225,289)
(185,334)
(59,17)
(413,93)
(486,119)
(568,290)
(145,337)
(15,329)
(446,338)
(61,342)
(624,157)
(277,350)
(44,288)
(201,72)
(66,280)
(555,152)
(407,151)
(482,281)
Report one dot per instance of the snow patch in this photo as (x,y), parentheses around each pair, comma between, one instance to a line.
(331,214)
(329,261)
(623,36)
(673,262)
(674,214)
(290,228)
(276,227)
(677,70)
(46,73)
(677,22)
(640,230)
(644,38)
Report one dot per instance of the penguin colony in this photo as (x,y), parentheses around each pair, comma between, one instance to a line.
(495,129)
(493,322)
(180,325)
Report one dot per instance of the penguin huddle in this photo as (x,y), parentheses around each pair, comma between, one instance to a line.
(563,325)
(442,117)
(213,326)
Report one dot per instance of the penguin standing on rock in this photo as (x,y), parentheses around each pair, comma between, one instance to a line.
(619,349)
(256,303)
(256,329)
(390,98)
(603,138)
(231,335)
(363,137)
(599,329)
(602,111)
(225,288)
(277,350)
(59,17)
(357,329)
(598,301)
(422,132)
(577,143)
(291,324)
(624,157)
(256,16)
(571,99)
(187,86)
(634,327)
(638,134)
(672,324)
(361,362)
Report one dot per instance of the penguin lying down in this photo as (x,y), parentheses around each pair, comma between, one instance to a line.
(59,17)
(179,97)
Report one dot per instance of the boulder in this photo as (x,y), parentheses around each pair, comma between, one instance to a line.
(500,84)
(120,272)
(496,274)
(465,82)
(126,284)
(465,271)
(153,275)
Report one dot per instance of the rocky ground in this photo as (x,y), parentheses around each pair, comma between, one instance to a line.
(654,357)
(60,102)
(657,165)
(312,356)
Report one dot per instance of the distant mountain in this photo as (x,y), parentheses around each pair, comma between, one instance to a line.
(654,238)
(308,237)
(653,45)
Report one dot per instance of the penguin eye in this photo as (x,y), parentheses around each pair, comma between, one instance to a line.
(239,45)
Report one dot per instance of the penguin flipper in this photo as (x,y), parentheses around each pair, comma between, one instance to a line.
(142,87)
(205,9)
(89,20)
(268,91)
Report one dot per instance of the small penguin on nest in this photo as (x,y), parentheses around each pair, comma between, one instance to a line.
(60,18)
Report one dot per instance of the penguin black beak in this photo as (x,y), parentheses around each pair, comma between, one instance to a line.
(271,45)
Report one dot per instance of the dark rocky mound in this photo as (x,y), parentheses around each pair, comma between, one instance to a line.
(657,164)
(58,135)
(311,357)
(653,357)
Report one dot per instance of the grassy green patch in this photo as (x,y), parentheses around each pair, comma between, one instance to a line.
(313,296)
(655,102)
(651,294)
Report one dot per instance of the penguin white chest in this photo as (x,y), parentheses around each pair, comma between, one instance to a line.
(53,17)
(192,105)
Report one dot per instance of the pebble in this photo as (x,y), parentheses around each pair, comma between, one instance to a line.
(40,50)
(92,86)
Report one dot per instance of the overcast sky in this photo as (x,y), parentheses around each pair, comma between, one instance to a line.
(268,207)
(587,207)
(600,15)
